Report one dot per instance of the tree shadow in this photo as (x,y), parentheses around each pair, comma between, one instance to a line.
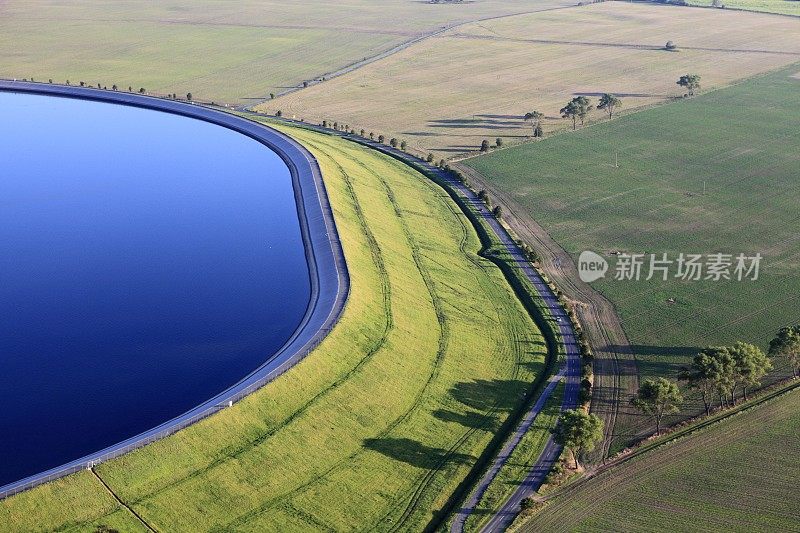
(414,453)
(471,419)
(485,394)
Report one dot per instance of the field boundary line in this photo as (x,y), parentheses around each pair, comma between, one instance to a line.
(123,504)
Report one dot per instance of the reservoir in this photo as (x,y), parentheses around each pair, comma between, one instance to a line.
(148,261)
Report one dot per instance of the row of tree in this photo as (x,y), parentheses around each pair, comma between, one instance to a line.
(719,372)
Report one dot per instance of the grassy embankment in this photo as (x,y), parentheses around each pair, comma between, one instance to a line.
(379,426)
(654,203)
(738,474)
(519,465)
(446,94)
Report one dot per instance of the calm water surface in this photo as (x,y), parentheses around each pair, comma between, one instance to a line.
(147,262)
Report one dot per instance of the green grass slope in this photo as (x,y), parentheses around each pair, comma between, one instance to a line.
(737,475)
(375,429)
(741,143)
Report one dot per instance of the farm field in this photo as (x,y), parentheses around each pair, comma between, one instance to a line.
(223,51)
(655,203)
(379,425)
(737,475)
(783,7)
(446,94)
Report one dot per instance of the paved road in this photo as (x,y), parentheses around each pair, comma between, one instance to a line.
(329,277)
(570,369)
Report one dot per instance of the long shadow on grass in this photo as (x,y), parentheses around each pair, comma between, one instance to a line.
(415,453)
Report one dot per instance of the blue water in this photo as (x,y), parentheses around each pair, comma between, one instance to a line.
(147,262)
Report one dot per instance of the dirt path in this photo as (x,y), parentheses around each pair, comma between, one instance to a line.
(616,377)
(391,51)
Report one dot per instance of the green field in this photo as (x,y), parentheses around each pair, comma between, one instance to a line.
(379,425)
(737,475)
(218,50)
(732,142)
(783,7)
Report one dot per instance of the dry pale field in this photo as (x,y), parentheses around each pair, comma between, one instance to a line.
(447,93)
(217,49)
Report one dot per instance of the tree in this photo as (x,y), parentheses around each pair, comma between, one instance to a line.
(278,113)
(363,132)
(393,142)
(403,145)
(670,46)
(709,374)
(751,364)
(113,87)
(527,506)
(381,138)
(787,344)
(535,116)
(484,146)
(658,397)
(690,82)
(537,130)
(578,431)
(497,211)
(272,96)
(577,108)
(498,142)
(609,102)
(141,90)
(429,159)
(371,136)
(189,96)
(324,123)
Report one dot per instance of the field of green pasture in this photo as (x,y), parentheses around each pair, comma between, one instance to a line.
(737,475)
(711,174)
(223,51)
(377,427)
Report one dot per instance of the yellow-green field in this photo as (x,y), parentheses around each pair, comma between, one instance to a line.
(475,82)
(218,50)
(737,475)
(378,426)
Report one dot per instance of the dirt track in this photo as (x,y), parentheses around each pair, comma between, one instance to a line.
(616,377)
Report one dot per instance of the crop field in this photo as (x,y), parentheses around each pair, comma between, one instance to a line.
(783,7)
(737,475)
(447,93)
(654,202)
(379,425)
(223,51)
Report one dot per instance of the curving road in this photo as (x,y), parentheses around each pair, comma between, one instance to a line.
(570,369)
(329,277)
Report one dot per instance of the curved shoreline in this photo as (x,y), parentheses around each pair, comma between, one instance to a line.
(329,277)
